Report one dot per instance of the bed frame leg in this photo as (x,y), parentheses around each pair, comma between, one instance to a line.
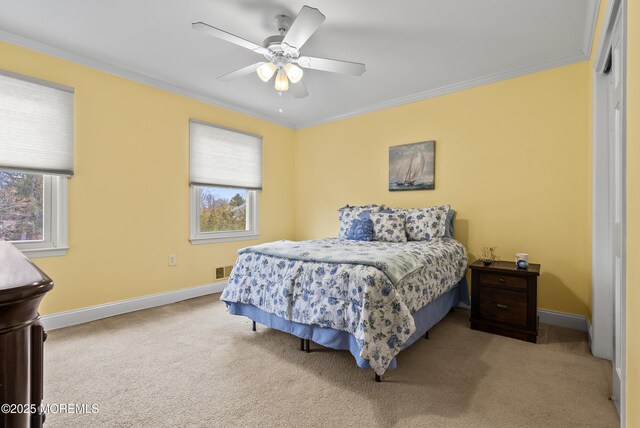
(302,344)
(378,378)
(307,346)
(254,326)
(426,335)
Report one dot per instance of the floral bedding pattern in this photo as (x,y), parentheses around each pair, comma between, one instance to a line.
(347,214)
(389,227)
(423,224)
(397,261)
(358,298)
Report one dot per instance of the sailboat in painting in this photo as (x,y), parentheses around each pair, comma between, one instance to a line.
(413,170)
(411,166)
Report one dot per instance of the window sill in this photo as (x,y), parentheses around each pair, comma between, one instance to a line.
(227,238)
(36,253)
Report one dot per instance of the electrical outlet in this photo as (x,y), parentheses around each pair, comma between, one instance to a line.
(227,271)
(173,260)
(219,273)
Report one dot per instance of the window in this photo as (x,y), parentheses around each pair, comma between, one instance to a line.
(222,209)
(30,212)
(225,176)
(22,205)
(36,158)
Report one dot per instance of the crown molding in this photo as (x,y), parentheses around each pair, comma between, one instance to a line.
(131,75)
(455,87)
(419,96)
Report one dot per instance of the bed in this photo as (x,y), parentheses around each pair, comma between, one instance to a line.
(371,298)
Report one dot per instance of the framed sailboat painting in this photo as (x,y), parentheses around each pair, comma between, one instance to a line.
(412,166)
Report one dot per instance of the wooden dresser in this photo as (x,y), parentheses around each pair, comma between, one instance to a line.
(504,299)
(22,287)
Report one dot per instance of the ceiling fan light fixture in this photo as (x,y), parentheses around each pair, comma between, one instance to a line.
(266,70)
(282,83)
(294,73)
(282,53)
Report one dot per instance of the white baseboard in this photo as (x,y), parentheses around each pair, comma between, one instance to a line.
(92,313)
(562,319)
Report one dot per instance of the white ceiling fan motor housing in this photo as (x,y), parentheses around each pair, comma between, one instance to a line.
(280,53)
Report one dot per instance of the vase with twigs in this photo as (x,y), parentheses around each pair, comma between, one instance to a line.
(488,255)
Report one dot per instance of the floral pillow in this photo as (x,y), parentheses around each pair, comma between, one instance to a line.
(389,227)
(365,214)
(348,214)
(424,224)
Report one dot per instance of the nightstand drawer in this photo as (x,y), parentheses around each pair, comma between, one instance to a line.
(503,280)
(502,305)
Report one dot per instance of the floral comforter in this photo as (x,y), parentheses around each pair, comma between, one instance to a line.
(356,296)
(396,261)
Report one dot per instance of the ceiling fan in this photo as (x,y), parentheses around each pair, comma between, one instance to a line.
(282,52)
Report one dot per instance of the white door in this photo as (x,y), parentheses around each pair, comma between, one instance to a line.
(617,159)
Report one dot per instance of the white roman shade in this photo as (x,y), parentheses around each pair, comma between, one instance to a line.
(223,157)
(36,125)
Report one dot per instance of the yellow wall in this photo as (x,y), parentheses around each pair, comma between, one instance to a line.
(129,199)
(513,158)
(633,214)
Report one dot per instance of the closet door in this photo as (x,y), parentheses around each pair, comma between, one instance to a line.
(617,192)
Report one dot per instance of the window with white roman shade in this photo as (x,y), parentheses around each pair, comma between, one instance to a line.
(36,158)
(36,125)
(225,173)
(226,158)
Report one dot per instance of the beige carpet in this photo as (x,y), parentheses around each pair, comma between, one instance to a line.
(192,364)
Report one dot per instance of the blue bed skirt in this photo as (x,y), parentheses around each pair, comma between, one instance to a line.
(424,318)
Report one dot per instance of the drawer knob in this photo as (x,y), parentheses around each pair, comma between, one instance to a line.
(501,306)
(501,279)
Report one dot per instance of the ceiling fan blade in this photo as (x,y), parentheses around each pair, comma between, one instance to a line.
(245,71)
(221,34)
(305,24)
(331,65)
(298,90)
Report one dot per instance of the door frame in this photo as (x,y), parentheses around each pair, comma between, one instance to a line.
(602,328)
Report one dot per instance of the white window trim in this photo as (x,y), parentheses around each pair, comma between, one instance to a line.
(197,237)
(55,221)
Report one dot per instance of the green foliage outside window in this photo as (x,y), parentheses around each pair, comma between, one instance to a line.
(220,213)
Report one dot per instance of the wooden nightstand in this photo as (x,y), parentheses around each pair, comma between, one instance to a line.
(504,299)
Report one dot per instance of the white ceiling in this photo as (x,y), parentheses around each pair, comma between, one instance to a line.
(412,48)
